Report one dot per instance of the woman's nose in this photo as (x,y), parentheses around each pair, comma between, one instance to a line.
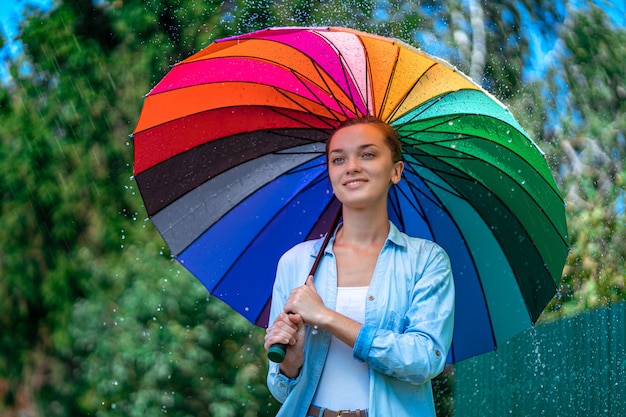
(353,165)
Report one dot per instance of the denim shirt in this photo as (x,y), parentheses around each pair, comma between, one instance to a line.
(406,335)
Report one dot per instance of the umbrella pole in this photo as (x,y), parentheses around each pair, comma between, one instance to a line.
(325,243)
(277,351)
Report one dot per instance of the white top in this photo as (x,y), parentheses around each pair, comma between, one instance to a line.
(344,383)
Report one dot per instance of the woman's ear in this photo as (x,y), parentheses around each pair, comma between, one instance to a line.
(396,175)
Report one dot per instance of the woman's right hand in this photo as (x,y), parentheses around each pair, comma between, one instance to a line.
(288,329)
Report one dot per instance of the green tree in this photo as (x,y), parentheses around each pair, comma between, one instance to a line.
(71,217)
(98,320)
(590,153)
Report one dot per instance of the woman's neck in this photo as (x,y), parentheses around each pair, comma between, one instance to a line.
(363,228)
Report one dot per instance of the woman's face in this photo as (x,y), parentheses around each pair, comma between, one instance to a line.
(361,167)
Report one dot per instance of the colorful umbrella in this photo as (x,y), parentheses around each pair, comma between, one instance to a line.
(229,159)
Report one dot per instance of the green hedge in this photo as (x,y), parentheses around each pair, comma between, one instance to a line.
(573,367)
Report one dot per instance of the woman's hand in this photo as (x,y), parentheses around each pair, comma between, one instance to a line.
(288,329)
(308,304)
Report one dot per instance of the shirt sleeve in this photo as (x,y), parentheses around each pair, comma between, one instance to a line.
(414,347)
(278,384)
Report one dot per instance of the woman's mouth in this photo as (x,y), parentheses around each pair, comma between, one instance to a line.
(353,183)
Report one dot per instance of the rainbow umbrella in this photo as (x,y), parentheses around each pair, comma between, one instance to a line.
(229,160)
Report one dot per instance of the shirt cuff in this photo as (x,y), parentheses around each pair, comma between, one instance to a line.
(363,342)
(285,380)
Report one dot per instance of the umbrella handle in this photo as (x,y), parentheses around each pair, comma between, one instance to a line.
(276,352)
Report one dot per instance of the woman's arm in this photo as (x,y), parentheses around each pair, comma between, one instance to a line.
(288,329)
(413,347)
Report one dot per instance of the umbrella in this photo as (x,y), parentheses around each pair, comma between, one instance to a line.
(229,160)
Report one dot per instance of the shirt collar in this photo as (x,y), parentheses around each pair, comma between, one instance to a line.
(395,236)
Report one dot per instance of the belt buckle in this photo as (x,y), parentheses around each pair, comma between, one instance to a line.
(340,412)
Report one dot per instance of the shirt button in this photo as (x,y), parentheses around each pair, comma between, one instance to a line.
(371,298)
(437,352)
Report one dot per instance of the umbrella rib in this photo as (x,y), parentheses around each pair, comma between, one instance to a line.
(468,137)
(431,104)
(408,92)
(443,122)
(320,253)
(503,173)
(301,78)
(500,200)
(341,105)
(317,69)
(322,119)
(388,86)
(369,91)
(302,169)
(469,157)
(416,206)
(443,207)
(261,230)
(305,110)
(437,202)
(346,70)
(328,89)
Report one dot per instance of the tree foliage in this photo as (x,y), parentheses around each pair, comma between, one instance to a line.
(85,321)
(98,320)
(590,155)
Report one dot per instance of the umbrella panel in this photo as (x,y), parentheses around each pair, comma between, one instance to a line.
(244,240)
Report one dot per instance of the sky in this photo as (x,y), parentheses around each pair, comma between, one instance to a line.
(10,16)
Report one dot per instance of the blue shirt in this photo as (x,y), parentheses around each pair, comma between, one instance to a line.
(406,335)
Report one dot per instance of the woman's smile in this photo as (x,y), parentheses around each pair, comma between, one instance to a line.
(354,183)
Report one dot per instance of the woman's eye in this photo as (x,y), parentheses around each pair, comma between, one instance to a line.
(337,160)
(368,155)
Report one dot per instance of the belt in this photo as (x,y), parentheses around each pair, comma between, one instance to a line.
(317,412)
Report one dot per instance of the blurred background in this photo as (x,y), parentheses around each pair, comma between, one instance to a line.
(96,319)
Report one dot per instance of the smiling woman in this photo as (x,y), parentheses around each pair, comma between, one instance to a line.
(383,302)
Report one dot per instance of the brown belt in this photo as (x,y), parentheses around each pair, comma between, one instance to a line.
(317,412)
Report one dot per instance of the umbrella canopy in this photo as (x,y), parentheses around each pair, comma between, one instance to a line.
(229,159)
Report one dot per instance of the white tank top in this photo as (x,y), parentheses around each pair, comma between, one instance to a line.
(344,383)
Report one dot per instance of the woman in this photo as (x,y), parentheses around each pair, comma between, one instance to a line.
(374,327)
